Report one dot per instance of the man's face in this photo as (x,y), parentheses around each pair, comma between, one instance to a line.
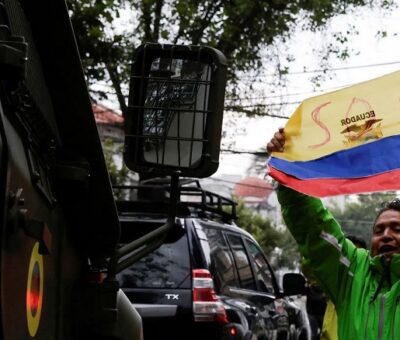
(386,234)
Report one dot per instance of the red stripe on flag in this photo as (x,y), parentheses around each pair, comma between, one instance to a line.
(331,187)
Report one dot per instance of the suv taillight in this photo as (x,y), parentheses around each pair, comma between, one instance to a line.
(206,305)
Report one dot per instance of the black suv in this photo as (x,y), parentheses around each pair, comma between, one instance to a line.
(209,279)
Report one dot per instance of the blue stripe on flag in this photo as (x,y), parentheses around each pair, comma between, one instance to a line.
(361,161)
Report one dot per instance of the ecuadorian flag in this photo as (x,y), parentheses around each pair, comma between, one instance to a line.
(343,142)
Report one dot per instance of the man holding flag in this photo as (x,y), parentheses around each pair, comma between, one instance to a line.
(364,285)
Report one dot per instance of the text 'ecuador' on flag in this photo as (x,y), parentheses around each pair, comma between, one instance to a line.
(343,142)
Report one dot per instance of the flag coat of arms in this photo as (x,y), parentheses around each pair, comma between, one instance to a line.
(343,142)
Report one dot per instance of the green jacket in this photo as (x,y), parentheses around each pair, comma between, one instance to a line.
(365,290)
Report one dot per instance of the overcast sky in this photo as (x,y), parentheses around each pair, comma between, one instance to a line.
(374,57)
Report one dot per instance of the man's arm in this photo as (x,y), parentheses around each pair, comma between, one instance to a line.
(320,239)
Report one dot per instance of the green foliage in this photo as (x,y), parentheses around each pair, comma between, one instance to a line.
(278,244)
(105,53)
(359,215)
(241,29)
(118,176)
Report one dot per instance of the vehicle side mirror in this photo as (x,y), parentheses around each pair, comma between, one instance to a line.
(175,108)
(294,284)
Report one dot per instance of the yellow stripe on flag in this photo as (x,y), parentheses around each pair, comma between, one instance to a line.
(343,119)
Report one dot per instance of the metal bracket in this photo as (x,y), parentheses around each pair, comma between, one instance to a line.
(17,219)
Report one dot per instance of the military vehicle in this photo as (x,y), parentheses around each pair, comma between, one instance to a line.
(59,225)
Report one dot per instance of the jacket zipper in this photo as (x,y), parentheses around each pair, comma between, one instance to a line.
(381,317)
(366,324)
(393,329)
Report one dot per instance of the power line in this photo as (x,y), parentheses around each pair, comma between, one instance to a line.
(227,107)
(343,68)
(289,73)
(271,97)
(292,94)
(253,98)
(238,109)
(256,153)
(245,108)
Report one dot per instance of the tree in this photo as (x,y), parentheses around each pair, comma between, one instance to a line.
(278,244)
(104,51)
(241,29)
(359,215)
(119,175)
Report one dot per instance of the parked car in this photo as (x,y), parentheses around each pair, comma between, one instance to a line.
(209,279)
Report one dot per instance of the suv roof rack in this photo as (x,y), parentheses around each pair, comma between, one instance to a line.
(151,197)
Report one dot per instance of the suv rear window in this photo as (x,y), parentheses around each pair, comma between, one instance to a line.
(166,267)
(221,259)
(262,270)
(242,262)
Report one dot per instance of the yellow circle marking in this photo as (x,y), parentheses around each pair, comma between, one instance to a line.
(34,290)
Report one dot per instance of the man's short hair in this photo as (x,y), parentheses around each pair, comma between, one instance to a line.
(389,205)
(358,241)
